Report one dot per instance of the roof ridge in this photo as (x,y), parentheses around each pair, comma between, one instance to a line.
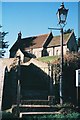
(35,36)
(46,38)
(43,34)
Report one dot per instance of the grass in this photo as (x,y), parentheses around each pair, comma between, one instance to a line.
(65,114)
(71,116)
(48,59)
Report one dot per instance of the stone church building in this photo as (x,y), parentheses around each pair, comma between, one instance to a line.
(43,45)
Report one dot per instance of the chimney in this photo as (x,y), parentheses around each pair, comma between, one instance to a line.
(19,35)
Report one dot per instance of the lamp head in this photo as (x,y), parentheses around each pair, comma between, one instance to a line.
(62,14)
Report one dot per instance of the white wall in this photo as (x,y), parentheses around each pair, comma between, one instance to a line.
(37,52)
(50,51)
(57,50)
(19,53)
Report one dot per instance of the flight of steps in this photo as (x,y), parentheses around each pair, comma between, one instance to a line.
(36,107)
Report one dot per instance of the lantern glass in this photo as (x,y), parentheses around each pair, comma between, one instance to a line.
(62,14)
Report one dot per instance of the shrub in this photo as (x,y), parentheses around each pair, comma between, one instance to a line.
(7,115)
(70,116)
(73,115)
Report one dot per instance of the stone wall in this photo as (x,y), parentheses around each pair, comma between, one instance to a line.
(33,71)
(5,64)
(43,66)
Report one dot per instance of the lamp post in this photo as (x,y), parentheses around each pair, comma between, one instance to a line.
(18,88)
(62,15)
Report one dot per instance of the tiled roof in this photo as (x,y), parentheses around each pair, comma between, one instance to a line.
(30,42)
(38,41)
(56,40)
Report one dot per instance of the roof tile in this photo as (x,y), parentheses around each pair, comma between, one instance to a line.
(56,40)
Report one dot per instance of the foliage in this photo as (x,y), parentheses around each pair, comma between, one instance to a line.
(73,115)
(3,44)
(71,64)
(64,116)
(79,42)
(71,60)
(67,31)
(68,58)
(64,105)
(7,115)
(69,116)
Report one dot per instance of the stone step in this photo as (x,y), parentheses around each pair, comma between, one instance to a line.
(34,102)
(36,108)
(24,114)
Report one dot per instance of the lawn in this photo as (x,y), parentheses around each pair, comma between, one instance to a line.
(48,59)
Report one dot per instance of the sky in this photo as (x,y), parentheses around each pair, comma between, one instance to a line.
(0,13)
(39,0)
(34,18)
(79,19)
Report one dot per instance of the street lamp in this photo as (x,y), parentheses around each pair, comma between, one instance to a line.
(18,88)
(62,15)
